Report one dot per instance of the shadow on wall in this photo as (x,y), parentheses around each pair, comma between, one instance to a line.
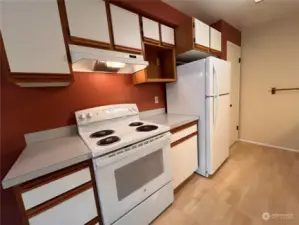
(289,138)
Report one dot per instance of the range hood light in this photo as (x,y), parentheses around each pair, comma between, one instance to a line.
(115,64)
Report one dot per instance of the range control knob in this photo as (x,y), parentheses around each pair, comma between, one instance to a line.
(82,117)
(89,115)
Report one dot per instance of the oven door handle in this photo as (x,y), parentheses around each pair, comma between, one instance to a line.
(160,141)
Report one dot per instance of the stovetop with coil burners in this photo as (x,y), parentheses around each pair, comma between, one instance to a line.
(103,138)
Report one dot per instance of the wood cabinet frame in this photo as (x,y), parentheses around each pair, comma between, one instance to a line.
(143,75)
(40,208)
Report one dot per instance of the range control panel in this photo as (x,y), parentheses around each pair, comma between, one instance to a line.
(101,113)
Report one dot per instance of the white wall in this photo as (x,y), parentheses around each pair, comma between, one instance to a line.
(270,58)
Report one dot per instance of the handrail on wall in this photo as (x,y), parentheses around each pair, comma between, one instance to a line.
(274,90)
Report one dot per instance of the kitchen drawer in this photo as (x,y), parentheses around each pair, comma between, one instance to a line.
(77,210)
(184,160)
(150,208)
(52,188)
(177,135)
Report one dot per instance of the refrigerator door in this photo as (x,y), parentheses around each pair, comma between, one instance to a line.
(217,76)
(217,131)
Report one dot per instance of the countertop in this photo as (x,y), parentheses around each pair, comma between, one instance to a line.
(45,157)
(171,120)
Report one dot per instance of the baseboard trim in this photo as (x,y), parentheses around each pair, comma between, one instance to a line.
(272,146)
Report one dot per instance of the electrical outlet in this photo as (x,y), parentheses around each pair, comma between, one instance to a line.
(156,99)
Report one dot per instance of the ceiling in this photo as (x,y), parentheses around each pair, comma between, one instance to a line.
(239,13)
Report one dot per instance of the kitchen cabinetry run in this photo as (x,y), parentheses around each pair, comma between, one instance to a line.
(184,152)
(34,43)
(126,29)
(194,41)
(66,197)
(88,22)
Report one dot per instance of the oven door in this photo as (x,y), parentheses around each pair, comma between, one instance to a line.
(127,178)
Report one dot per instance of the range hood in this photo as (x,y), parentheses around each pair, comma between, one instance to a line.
(85,59)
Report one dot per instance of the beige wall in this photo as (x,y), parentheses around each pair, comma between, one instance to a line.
(270,58)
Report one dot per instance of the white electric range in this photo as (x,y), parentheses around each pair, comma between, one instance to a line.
(132,163)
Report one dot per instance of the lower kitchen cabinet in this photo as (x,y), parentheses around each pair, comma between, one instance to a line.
(184,152)
(67,197)
(77,210)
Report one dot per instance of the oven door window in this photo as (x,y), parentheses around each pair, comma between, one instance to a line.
(133,176)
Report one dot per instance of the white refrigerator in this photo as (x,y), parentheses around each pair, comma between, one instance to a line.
(203,89)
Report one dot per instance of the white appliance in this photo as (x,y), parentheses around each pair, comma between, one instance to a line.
(132,163)
(86,59)
(202,89)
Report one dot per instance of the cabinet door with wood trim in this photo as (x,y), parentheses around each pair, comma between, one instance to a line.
(201,33)
(67,197)
(167,35)
(184,160)
(126,29)
(150,30)
(77,210)
(215,39)
(33,38)
(88,21)
(184,152)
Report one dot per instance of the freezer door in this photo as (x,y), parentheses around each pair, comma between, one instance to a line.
(217,76)
(217,127)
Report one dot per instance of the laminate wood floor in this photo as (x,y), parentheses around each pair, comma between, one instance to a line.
(254,180)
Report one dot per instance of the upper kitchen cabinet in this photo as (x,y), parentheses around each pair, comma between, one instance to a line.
(201,35)
(215,41)
(34,43)
(88,22)
(193,41)
(150,30)
(126,30)
(162,65)
(167,35)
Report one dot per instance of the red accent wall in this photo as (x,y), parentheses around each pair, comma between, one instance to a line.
(26,110)
(229,33)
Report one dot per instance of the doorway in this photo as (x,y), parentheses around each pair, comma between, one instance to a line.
(234,57)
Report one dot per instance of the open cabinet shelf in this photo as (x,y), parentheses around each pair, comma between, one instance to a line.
(162,65)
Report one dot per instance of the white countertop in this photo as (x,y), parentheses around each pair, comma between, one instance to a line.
(171,120)
(45,157)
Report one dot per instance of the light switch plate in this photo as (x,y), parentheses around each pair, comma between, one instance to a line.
(156,99)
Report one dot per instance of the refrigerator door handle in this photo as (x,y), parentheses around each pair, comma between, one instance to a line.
(215,112)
